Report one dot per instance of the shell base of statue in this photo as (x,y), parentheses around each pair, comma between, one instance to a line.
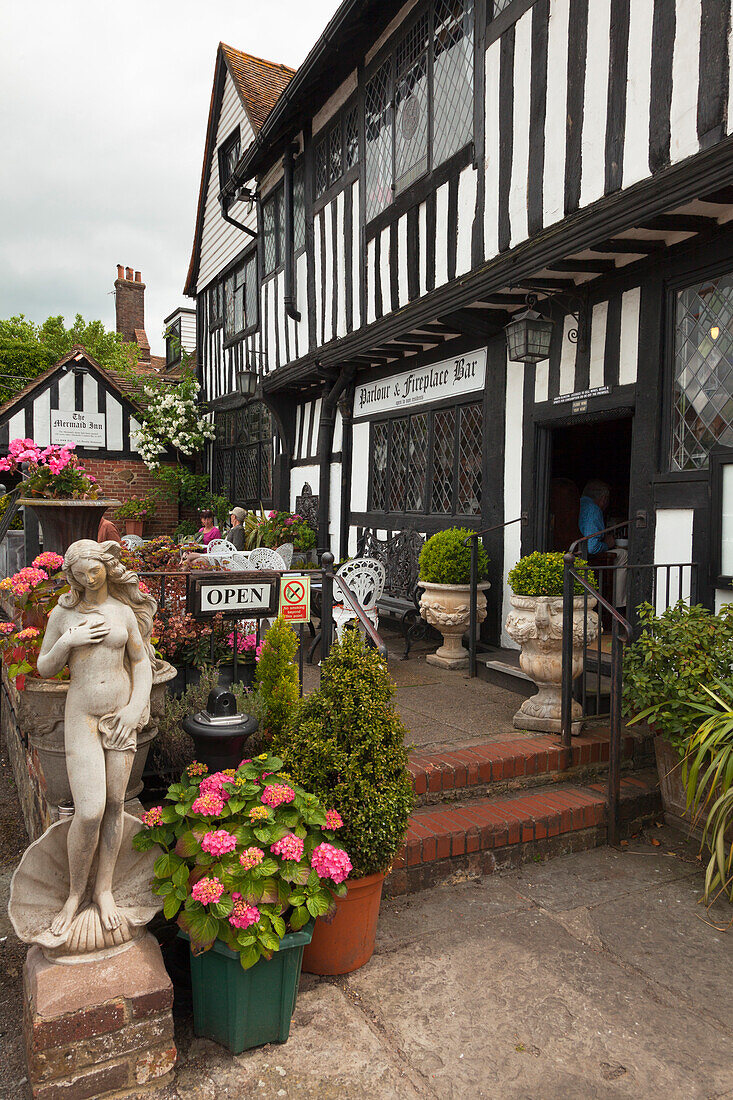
(40,887)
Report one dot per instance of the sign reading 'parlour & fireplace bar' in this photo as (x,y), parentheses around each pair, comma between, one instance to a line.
(449,378)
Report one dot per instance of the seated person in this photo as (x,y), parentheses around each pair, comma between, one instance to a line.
(593,505)
(108,531)
(207,530)
(236,533)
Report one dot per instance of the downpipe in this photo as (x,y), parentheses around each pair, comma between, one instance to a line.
(289,295)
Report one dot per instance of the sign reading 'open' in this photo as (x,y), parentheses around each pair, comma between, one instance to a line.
(233,595)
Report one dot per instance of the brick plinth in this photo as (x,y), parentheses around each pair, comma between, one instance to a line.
(125,478)
(98,1029)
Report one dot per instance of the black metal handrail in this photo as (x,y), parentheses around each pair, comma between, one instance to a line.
(10,512)
(639,521)
(620,634)
(328,578)
(473,599)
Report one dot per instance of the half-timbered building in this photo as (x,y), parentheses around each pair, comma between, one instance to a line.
(429,166)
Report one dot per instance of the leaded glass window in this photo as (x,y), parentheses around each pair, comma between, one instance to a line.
(411,106)
(322,149)
(216,305)
(298,209)
(243,454)
(228,156)
(452,77)
(337,150)
(240,297)
(702,405)
(378,133)
(273,231)
(496,7)
(351,139)
(429,462)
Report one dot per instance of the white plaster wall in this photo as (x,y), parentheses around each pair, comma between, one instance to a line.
(298,476)
(513,436)
(673,544)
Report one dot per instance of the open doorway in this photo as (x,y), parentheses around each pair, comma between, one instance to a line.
(579,453)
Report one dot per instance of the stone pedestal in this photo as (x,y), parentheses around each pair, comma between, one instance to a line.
(96,1029)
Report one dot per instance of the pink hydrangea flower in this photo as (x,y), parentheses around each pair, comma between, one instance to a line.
(7,628)
(290,847)
(251,857)
(243,915)
(196,769)
(258,813)
(207,890)
(48,560)
(208,804)
(330,862)
(214,784)
(219,842)
(276,794)
(28,634)
(153,817)
(333,819)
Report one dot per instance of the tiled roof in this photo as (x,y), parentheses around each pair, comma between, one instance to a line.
(259,82)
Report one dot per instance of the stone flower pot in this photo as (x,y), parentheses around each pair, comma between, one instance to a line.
(535,623)
(41,715)
(447,607)
(66,521)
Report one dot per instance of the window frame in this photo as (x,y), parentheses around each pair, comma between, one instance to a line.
(457,407)
(240,263)
(348,174)
(234,421)
(277,192)
(388,53)
(223,151)
(173,332)
(496,25)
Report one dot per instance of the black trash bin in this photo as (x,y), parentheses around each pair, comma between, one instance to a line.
(220,732)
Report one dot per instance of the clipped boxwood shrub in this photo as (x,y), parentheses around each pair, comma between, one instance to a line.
(541,574)
(445,559)
(665,669)
(346,744)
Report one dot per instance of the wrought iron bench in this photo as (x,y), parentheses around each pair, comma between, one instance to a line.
(400,556)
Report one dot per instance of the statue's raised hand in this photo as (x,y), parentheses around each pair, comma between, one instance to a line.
(88,633)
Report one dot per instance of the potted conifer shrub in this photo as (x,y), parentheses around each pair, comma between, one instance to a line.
(535,624)
(445,575)
(248,861)
(346,743)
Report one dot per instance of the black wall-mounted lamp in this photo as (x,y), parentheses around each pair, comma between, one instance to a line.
(528,336)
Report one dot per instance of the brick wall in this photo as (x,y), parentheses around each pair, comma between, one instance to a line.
(124,478)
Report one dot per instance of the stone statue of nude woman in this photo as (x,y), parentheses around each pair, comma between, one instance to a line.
(101,629)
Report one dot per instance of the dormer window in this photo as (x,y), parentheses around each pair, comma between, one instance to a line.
(229,151)
(173,344)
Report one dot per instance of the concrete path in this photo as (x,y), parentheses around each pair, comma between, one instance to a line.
(593,975)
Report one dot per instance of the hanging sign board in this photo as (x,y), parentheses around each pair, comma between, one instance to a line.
(84,429)
(250,595)
(449,378)
(295,599)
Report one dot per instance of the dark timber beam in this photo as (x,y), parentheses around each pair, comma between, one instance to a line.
(468,322)
(679,223)
(723,196)
(630,246)
(422,339)
(507,300)
(591,267)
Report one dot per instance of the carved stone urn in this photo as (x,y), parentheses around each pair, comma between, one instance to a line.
(65,521)
(447,607)
(535,623)
(41,714)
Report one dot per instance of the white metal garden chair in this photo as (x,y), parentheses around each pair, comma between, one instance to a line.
(365,577)
(130,542)
(220,551)
(262,557)
(286,553)
(240,560)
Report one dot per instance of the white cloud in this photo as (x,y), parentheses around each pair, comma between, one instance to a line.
(102,129)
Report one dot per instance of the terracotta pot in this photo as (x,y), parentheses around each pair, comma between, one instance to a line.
(66,521)
(447,607)
(134,526)
(536,625)
(41,714)
(348,941)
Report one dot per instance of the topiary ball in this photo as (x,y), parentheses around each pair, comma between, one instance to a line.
(446,558)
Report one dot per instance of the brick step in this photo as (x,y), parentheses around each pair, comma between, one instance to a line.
(478,836)
(516,762)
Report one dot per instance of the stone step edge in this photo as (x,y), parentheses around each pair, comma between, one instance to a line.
(498,761)
(442,832)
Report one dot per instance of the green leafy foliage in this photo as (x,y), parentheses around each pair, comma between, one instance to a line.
(221,870)
(346,743)
(446,559)
(276,679)
(676,653)
(140,508)
(541,574)
(17,520)
(191,491)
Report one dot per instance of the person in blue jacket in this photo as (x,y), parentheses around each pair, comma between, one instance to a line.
(593,507)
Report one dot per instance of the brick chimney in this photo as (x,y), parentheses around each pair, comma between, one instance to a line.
(130,308)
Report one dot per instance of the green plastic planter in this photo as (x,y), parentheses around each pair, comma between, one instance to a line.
(246,1008)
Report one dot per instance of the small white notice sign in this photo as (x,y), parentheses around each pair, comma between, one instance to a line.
(449,378)
(84,429)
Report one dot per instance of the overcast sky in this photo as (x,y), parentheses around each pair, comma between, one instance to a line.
(103,110)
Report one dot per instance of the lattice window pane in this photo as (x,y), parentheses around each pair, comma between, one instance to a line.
(240,478)
(239,287)
(335,166)
(417,463)
(703,383)
(321,166)
(269,246)
(411,106)
(351,139)
(251,487)
(378,130)
(444,431)
(469,461)
(266,470)
(398,466)
(223,472)
(452,77)
(298,209)
(379,467)
(251,287)
(498,7)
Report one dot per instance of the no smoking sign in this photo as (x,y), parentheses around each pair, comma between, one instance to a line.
(295,599)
